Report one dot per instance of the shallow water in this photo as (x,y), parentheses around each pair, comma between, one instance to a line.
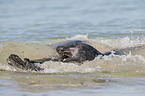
(30,29)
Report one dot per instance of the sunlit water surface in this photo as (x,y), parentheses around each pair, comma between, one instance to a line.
(30,28)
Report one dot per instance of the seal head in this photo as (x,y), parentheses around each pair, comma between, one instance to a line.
(77,51)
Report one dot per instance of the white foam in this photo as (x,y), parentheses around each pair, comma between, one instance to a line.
(123,42)
(80,37)
(134,58)
(55,67)
(7,67)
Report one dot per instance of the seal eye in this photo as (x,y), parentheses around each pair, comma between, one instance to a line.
(59,49)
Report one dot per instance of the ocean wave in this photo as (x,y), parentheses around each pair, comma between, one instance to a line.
(132,62)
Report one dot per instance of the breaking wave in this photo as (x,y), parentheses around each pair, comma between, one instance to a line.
(132,62)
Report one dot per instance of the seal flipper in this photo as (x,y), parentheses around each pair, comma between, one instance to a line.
(31,66)
(116,52)
(43,60)
(16,61)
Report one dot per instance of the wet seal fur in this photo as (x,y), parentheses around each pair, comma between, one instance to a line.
(71,51)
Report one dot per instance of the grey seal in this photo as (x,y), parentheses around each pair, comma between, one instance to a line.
(71,51)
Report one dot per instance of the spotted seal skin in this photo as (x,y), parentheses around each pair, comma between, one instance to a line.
(72,51)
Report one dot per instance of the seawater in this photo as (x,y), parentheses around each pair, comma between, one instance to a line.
(31,28)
